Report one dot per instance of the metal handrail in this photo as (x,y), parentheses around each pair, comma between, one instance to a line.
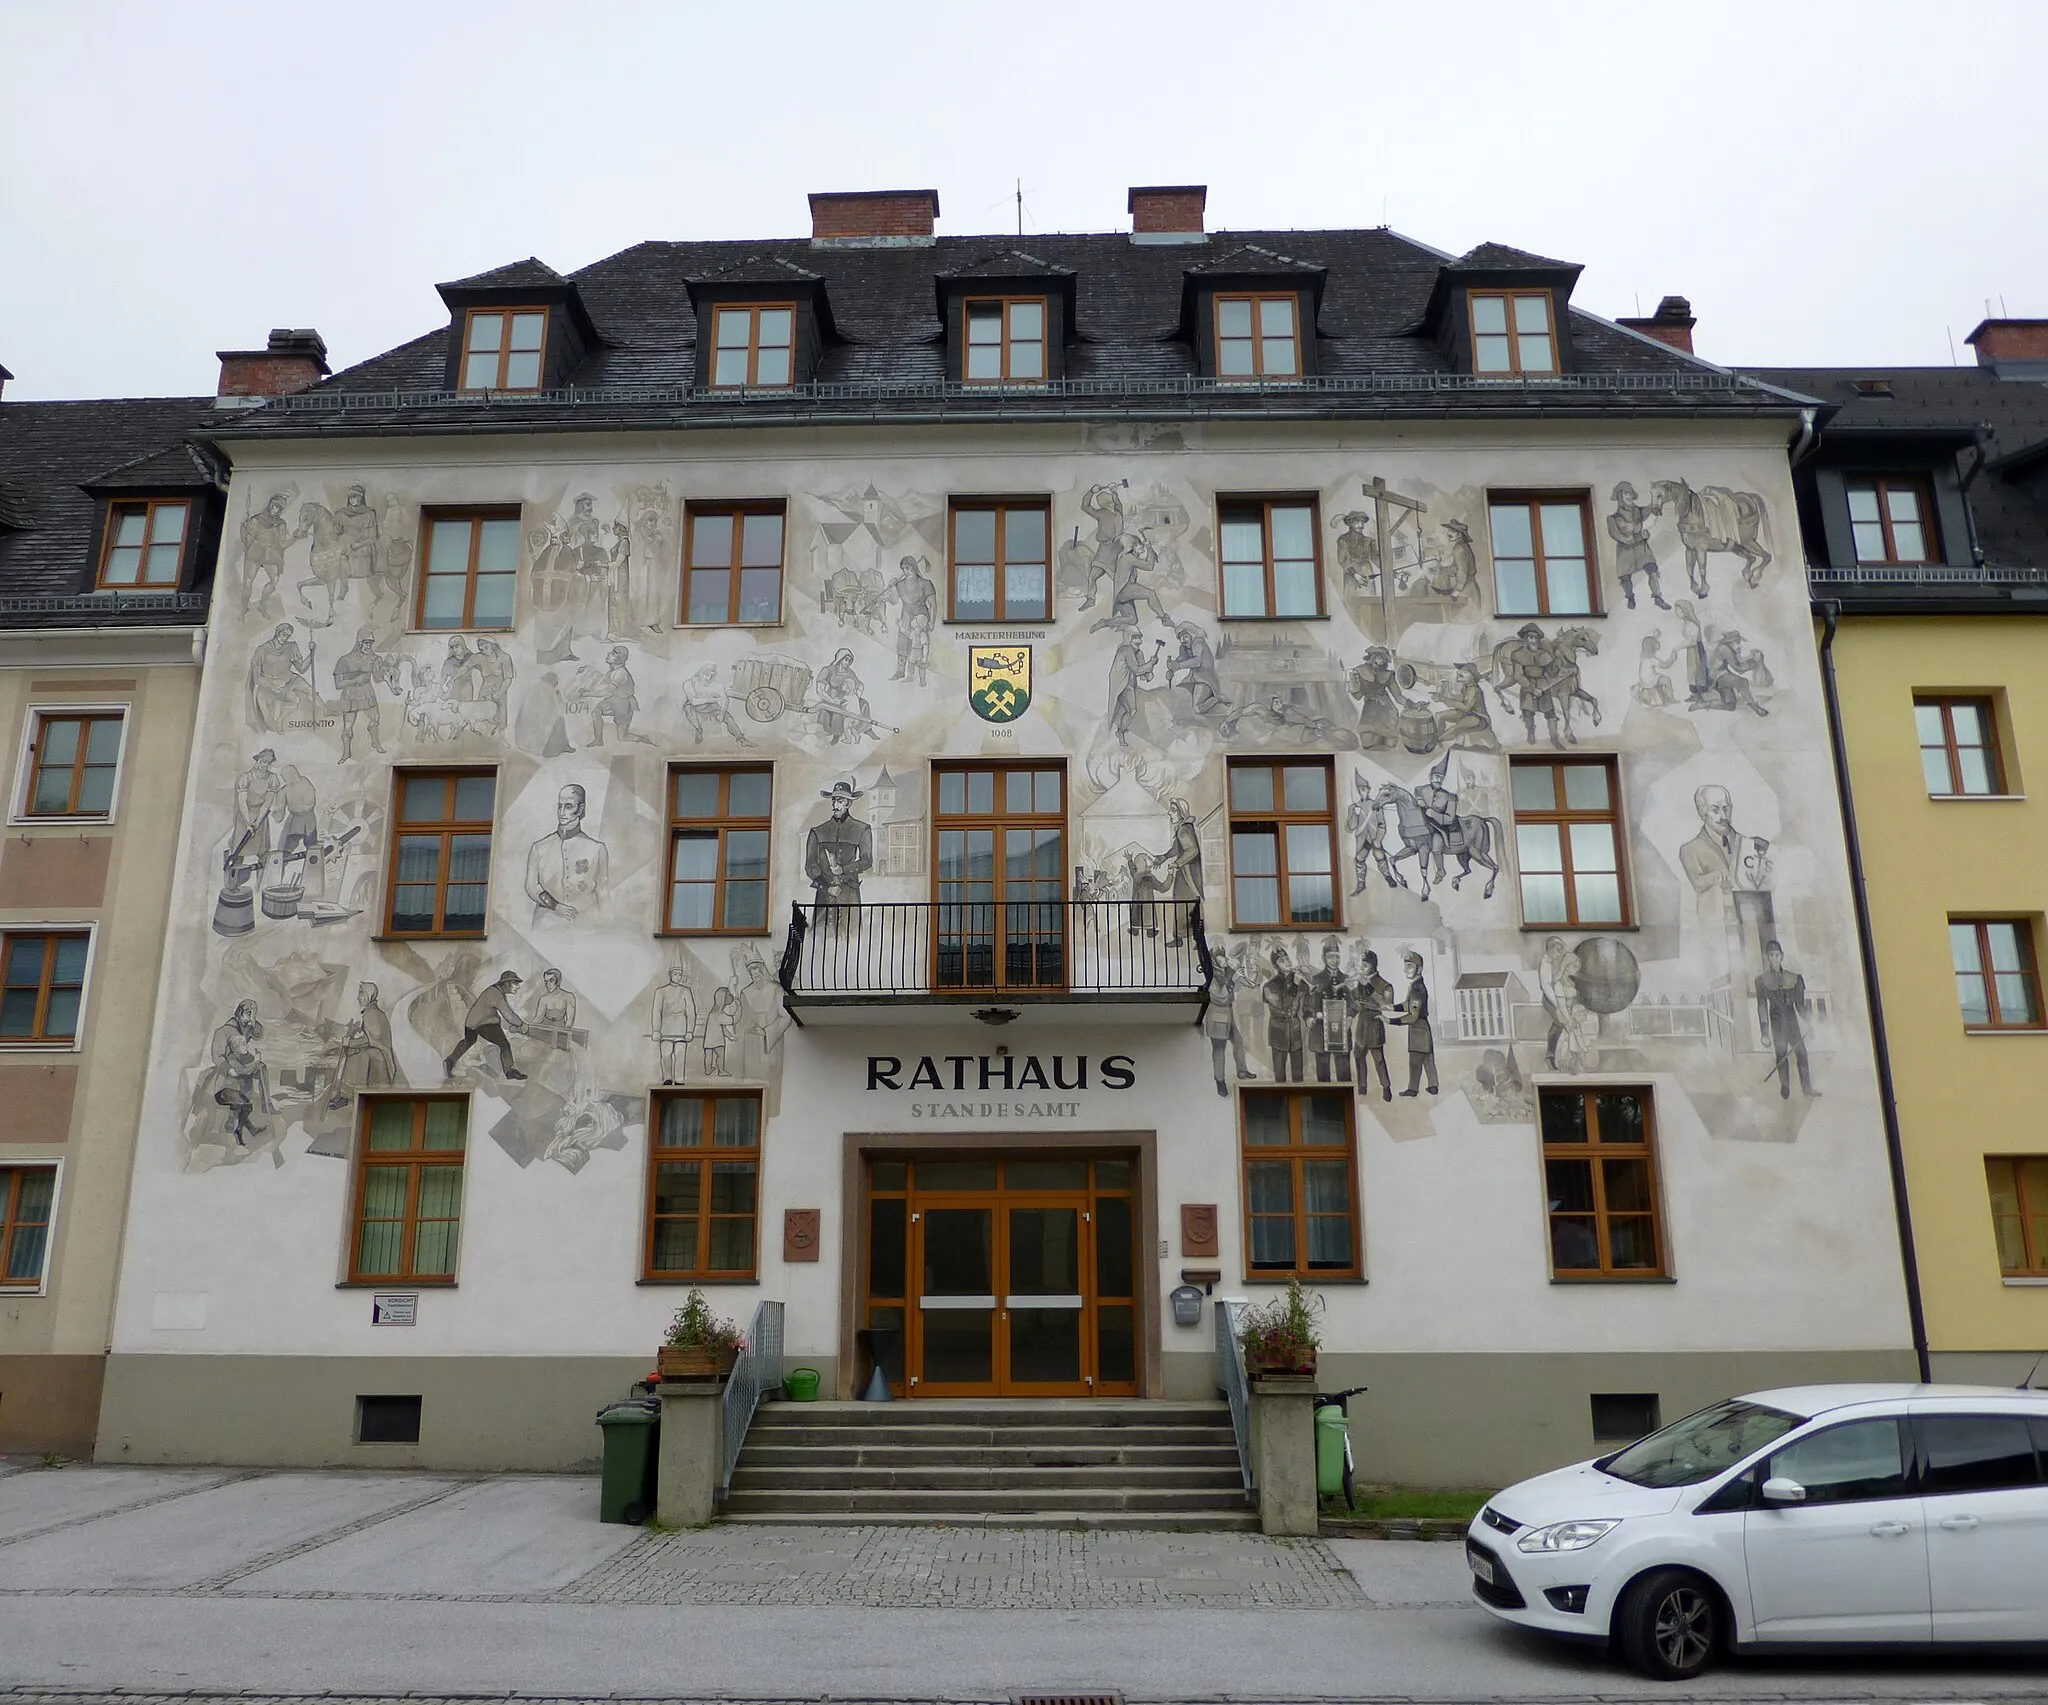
(948,390)
(758,1369)
(1927,574)
(1231,1378)
(998,947)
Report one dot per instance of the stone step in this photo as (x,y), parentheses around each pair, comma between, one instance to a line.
(774,1452)
(984,1501)
(966,1412)
(752,1477)
(990,1438)
(1222,1519)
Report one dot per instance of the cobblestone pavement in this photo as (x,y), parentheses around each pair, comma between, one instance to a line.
(971,1569)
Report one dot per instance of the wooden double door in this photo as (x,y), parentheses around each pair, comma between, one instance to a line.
(1006,1275)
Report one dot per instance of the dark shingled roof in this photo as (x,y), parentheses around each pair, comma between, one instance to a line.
(1498,257)
(1128,352)
(2009,503)
(529,271)
(49,453)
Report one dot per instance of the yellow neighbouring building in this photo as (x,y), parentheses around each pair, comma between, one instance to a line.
(1924,503)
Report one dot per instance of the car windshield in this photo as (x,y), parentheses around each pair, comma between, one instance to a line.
(1701,1446)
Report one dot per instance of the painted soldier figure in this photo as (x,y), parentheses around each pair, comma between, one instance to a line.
(264,538)
(1285,997)
(1629,528)
(1330,1016)
(358,524)
(1372,998)
(356,674)
(1414,1014)
(1781,1009)
(1220,1024)
(1183,869)
(1374,686)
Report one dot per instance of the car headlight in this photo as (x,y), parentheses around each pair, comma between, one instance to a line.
(1564,1535)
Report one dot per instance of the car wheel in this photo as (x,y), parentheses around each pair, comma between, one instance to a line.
(1668,1625)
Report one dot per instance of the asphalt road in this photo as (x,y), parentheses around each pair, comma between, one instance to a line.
(358,1586)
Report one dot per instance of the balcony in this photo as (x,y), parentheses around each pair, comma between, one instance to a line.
(999,962)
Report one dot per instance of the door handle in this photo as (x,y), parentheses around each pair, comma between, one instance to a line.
(1888,1529)
(1959,1524)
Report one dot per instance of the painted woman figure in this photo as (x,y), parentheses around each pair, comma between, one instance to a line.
(367,1059)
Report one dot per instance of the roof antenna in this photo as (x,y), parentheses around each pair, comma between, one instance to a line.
(2027,1384)
(1020,207)
(1952,361)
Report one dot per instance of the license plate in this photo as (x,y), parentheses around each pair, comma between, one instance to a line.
(1481,1566)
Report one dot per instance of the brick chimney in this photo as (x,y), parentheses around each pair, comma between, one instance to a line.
(875,218)
(1168,213)
(2011,343)
(294,361)
(1672,323)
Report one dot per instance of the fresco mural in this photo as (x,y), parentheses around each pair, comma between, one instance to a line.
(1424,996)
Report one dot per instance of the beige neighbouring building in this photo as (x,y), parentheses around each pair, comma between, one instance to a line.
(962,786)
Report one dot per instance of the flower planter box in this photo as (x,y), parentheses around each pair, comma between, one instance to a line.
(1258,1366)
(695,1361)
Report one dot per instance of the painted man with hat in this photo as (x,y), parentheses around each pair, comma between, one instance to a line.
(1629,528)
(837,850)
(489,1016)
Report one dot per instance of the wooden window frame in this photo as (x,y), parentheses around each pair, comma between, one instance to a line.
(1258,375)
(1592,1152)
(1514,369)
(47,984)
(1281,818)
(505,352)
(2034,1256)
(1002,904)
(1265,506)
(1298,1153)
(1986,706)
(429,519)
(13,1177)
(720,825)
(1001,508)
(1005,304)
(705,1154)
(1563,815)
(413,1159)
(40,717)
(752,382)
(2030,970)
(1882,485)
(447,829)
(1534,502)
(149,507)
(737,510)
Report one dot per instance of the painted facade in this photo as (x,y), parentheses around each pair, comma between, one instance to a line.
(239,1227)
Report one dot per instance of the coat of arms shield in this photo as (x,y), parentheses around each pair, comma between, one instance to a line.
(999,681)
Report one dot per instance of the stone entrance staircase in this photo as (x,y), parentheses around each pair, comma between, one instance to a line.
(1096,1462)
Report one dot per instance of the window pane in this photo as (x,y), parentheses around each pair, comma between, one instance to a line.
(1599,898)
(1244,589)
(1490,355)
(984,361)
(1305,787)
(732,1187)
(1276,355)
(444,1126)
(731,1249)
(1293,530)
(776,325)
(1251,787)
(474,798)
(1489,314)
(1977,1453)
(1568,587)
(760,539)
(1234,317)
(1514,584)
(760,594)
(1934,767)
(675,1245)
(729,367)
(2015,1000)
(710,595)
(1243,538)
(1564,1119)
(1632,1243)
(711,540)
(1254,852)
(981,792)
(1294,589)
(732,327)
(1539,848)
(1257,899)
(1534,354)
(492,607)
(168,526)
(527,329)
(95,790)
(1027,361)
(1532,314)
(1962,942)
(1563,530)
(1975,764)
(1027,321)
(772,367)
(486,332)
(522,373)
(1265,1120)
(974,535)
(1322,1121)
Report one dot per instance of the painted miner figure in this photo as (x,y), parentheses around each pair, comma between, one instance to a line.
(836,852)
(917,613)
(1629,528)
(1781,1009)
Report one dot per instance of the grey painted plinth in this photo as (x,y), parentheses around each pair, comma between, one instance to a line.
(1284,1452)
(692,1451)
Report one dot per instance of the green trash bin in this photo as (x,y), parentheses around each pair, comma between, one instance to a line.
(1331,1427)
(632,1432)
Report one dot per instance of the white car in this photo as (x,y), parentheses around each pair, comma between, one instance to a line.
(1881,1514)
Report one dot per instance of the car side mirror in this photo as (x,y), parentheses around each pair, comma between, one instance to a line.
(1779,1490)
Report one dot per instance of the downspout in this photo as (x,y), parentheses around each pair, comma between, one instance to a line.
(1888,1100)
(1969,509)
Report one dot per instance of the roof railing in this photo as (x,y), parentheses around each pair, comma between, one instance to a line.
(105,604)
(1256,392)
(1929,577)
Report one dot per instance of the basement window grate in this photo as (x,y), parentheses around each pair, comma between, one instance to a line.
(387,1420)
(1066,1699)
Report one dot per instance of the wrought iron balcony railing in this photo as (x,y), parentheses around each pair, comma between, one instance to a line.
(1009,950)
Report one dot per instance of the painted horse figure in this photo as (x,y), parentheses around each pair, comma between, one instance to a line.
(328,559)
(1544,677)
(1472,838)
(1716,518)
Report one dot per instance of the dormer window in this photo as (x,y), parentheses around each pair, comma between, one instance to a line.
(501,349)
(1258,337)
(753,345)
(1511,332)
(1006,340)
(145,545)
(1892,517)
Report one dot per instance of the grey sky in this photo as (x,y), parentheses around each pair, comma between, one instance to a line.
(1830,181)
